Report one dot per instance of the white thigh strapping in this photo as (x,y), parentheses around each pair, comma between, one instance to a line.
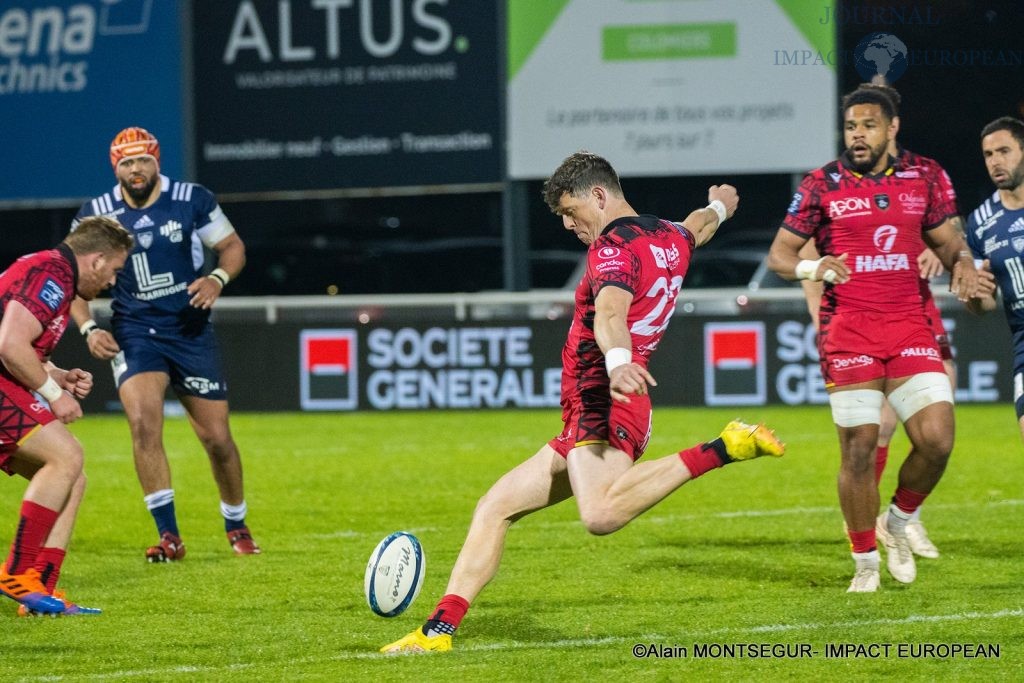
(856,407)
(919,392)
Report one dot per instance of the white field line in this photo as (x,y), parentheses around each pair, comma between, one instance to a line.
(572,643)
(675,518)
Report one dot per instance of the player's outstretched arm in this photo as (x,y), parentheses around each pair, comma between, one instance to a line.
(703,223)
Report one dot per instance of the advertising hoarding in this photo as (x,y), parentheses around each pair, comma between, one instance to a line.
(705,360)
(73,74)
(300,95)
(672,87)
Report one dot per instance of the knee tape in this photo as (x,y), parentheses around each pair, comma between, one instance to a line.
(919,392)
(856,407)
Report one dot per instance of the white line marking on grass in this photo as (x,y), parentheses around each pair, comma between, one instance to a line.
(674,518)
(781,512)
(912,619)
(574,642)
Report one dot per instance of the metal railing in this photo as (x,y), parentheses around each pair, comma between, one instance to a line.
(534,304)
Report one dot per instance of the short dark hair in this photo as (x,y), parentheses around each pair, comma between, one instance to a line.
(1014,127)
(870,96)
(99,234)
(888,91)
(577,174)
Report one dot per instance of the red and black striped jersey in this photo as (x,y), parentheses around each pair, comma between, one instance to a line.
(645,256)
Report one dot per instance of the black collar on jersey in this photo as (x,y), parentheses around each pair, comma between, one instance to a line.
(66,252)
(644,222)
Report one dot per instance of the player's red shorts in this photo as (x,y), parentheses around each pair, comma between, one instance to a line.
(860,346)
(21,413)
(935,320)
(593,417)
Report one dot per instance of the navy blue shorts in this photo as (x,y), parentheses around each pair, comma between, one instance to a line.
(191,362)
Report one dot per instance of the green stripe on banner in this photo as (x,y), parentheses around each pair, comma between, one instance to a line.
(528,21)
(806,17)
(668,41)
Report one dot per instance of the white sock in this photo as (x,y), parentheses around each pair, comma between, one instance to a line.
(897,520)
(235,513)
(916,517)
(158,498)
(868,560)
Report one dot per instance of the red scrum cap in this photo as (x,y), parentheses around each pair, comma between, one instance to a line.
(134,142)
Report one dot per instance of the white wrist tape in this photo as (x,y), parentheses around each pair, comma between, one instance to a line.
(88,327)
(50,390)
(808,270)
(719,208)
(616,357)
(221,276)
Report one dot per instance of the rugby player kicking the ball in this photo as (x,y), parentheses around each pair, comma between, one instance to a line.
(635,268)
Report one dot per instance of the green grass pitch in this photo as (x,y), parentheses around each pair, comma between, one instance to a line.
(744,558)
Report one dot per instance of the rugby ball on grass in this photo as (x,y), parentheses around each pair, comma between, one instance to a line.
(394,574)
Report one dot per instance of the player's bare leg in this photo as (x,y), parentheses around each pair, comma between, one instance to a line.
(537,483)
(858,494)
(142,396)
(611,490)
(51,556)
(931,435)
(886,430)
(857,412)
(52,460)
(210,422)
(925,403)
(917,535)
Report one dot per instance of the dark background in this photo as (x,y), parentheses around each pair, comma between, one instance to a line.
(453,242)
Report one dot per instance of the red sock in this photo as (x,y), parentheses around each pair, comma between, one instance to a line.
(862,541)
(450,610)
(907,500)
(700,459)
(49,563)
(34,526)
(881,457)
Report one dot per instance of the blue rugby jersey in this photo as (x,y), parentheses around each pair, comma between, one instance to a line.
(168,254)
(997,233)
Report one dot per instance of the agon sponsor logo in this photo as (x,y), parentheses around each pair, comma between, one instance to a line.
(837,208)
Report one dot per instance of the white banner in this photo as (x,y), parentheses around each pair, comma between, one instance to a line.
(672,87)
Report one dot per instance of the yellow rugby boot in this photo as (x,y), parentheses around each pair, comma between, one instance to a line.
(746,442)
(417,642)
